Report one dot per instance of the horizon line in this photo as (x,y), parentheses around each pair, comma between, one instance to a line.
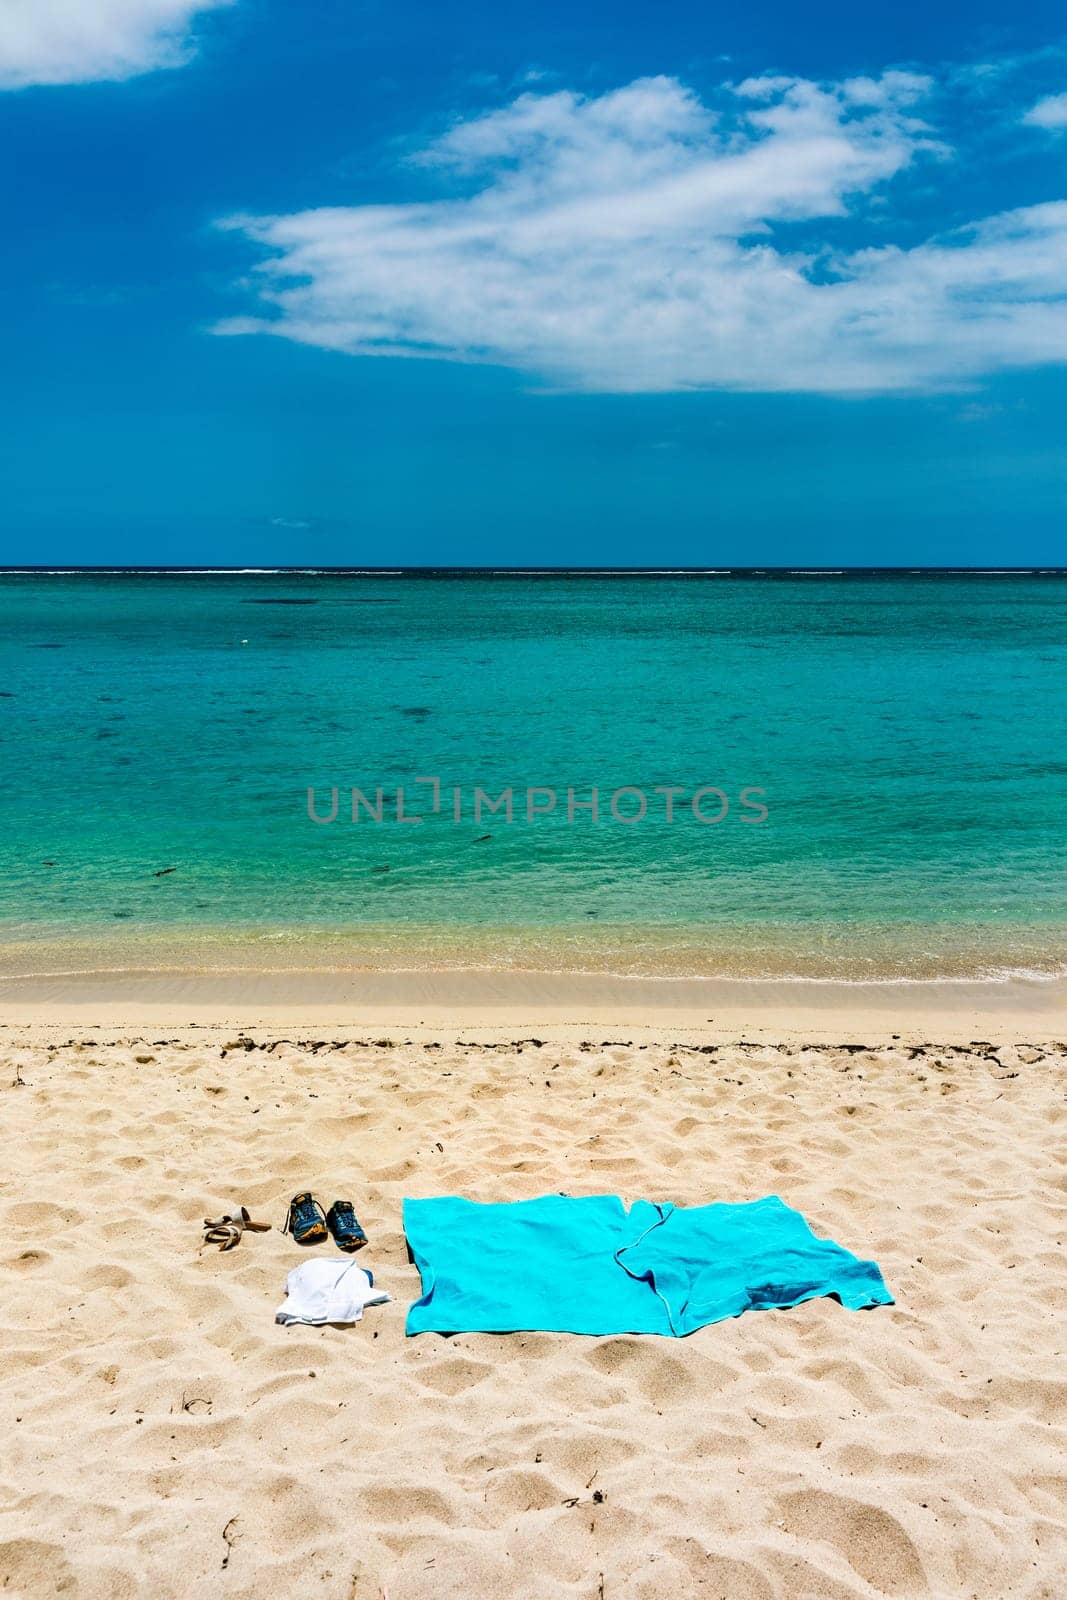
(429,569)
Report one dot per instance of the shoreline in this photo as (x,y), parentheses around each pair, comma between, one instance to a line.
(953,1010)
(915,954)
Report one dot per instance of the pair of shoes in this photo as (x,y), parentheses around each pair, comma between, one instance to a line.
(226,1231)
(309,1224)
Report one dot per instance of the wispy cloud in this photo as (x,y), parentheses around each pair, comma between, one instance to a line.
(85,41)
(1051,112)
(645,240)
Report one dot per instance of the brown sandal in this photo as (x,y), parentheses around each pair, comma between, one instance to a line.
(226,1231)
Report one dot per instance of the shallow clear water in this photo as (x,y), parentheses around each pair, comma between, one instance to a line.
(908,733)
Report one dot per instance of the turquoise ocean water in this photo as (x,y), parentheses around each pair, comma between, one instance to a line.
(908,733)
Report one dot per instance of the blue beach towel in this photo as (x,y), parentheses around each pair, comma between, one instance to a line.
(588,1265)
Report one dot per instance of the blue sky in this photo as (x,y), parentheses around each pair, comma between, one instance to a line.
(609,283)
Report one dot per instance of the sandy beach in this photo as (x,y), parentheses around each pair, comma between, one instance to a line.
(166,1438)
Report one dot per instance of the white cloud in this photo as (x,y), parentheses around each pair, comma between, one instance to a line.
(83,41)
(1051,112)
(640,241)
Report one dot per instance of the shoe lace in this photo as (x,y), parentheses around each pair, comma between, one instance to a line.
(301,1213)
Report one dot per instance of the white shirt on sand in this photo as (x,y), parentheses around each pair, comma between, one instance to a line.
(324,1290)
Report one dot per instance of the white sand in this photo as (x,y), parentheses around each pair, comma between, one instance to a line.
(162,1437)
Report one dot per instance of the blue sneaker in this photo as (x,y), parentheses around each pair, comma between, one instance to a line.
(342,1223)
(305,1220)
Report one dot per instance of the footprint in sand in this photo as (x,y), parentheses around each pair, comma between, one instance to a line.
(453,1377)
(660,1378)
(28,1261)
(514,1491)
(718,1574)
(872,1541)
(35,1214)
(30,1568)
(407,1504)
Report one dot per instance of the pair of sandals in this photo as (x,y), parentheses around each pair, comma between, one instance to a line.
(226,1231)
(309,1224)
